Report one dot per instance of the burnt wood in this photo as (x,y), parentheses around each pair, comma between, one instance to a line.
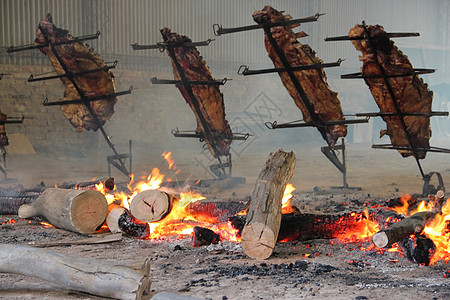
(402,229)
(204,236)
(120,219)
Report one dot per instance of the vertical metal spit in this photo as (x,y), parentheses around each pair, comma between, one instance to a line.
(219,170)
(328,151)
(398,113)
(83,99)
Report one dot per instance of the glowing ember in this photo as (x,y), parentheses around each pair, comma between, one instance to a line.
(361,229)
(46,225)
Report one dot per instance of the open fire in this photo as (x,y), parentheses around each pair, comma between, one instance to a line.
(355,227)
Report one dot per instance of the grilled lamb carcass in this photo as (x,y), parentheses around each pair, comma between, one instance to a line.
(3,137)
(208,104)
(324,101)
(411,93)
(78,57)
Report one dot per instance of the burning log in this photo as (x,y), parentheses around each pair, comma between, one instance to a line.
(418,249)
(120,219)
(303,227)
(91,275)
(151,205)
(260,232)
(82,211)
(402,229)
(438,201)
(204,236)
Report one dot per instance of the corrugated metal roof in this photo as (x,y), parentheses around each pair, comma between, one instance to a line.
(139,21)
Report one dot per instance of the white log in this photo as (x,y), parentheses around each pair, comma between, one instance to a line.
(91,275)
(151,206)
(82,211)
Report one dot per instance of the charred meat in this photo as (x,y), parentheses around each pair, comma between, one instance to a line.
(78,57)
(325,103)
(207,103)
(381,57)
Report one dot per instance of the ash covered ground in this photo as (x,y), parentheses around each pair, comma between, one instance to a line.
(312,269)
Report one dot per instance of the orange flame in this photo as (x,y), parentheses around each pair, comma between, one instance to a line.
(403,210)
(360,227)
(437,229)
(179,221)
(286,207)
(168,157)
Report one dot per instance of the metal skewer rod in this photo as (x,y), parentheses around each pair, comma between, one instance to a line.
(244,70)
(106,68)
(75,40)
(390,35)
(359,75)
(218,30)
(193,134)
(163,46)
(155,80)
(83,100)
(394,114)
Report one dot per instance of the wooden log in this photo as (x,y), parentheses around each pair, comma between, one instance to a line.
(304,227)
(91,275)
(120,219)
(221,211)
(82,211)
(110,238)
(418,248)
(204,236)
(151,205)
(438,201)
(402,229)
(9,205)
(260,232)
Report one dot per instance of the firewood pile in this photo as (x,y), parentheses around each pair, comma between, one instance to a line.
(315,247)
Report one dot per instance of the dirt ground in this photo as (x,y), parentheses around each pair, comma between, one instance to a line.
(315,269)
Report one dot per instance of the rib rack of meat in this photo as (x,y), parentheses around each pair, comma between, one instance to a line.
(396,90)
(318,103)
(89,95)
(403,98)
(205,100)
(302,73)
(73,58)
